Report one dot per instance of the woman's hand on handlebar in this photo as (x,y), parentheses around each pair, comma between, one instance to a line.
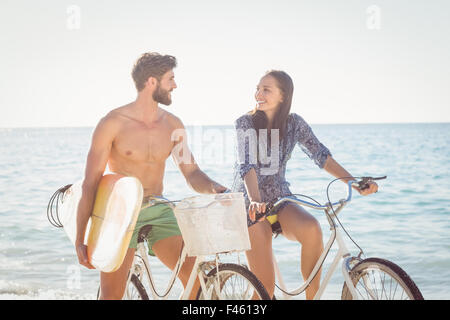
(371,187)
(256,207)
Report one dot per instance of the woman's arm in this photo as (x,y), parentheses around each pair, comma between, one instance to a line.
(251,185)
(336,170)
(247,164)
(321,155)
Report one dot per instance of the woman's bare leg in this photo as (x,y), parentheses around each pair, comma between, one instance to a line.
(299,225)
(260,255)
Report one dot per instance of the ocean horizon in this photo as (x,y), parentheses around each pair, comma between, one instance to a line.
(228,125)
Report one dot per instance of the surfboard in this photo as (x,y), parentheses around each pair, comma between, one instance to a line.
(116,209)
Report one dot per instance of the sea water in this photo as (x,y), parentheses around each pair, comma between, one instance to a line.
(407,221)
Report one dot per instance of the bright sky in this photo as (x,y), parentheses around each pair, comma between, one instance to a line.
(67,63)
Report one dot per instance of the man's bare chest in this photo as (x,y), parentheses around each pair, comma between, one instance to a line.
(143,144)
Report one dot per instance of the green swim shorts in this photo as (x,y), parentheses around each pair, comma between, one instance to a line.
(163,221)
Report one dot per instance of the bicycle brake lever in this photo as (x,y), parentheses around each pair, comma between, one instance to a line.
(364,183)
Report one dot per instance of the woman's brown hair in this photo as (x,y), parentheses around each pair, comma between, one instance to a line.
(286,86)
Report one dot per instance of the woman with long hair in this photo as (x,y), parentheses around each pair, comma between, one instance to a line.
(270,131)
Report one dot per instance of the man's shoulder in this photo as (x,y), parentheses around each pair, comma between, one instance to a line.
(112,120)
(113,117)
(118,113)
(171,119)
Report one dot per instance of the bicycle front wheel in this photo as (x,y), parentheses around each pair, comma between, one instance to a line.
(379,279)
(135,290)
(229,281)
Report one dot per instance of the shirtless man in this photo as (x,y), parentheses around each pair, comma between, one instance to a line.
(135,140)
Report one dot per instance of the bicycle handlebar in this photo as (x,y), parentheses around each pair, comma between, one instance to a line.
(362,184)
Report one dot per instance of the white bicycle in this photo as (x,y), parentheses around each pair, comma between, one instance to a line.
(218,281)
(371,278)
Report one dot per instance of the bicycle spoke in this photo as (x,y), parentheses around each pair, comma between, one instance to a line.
(390,288)
(368,285)
(246,291)
(395,289)
(382,286)
(376,284)
(356,288)
(233,286)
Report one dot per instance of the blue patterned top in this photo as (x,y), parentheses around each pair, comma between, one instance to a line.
(271,176)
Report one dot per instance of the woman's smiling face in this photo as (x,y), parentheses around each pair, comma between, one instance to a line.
(268,96)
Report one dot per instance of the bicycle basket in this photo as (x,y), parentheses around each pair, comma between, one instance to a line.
(213,224)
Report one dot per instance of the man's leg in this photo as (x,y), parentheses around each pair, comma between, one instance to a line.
(112,284)
(168,251)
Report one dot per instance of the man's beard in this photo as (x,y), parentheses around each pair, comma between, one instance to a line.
(162,96)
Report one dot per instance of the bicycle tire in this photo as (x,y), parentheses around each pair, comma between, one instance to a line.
(366,269)
(137,285)
(231,272)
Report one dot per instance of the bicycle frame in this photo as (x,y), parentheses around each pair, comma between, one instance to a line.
(342,252)
(142,254)
(196,272)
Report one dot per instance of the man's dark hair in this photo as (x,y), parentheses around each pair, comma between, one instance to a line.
(151,64)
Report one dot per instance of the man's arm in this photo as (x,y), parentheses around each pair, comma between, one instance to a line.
(185,161)
(97,159)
